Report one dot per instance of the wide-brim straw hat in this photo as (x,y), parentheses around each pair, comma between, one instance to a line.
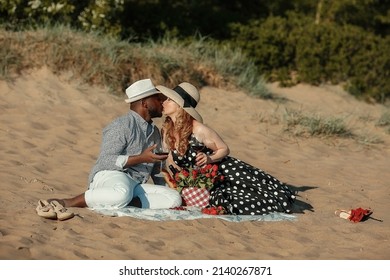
(186,96)
(140,89)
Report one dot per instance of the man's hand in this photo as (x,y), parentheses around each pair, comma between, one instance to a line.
(147,156)
(150,156)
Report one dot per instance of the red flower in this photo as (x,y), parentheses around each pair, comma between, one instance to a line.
(205,177)
(359,214)
(212,210)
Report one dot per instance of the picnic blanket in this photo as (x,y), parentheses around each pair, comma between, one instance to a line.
(190,213)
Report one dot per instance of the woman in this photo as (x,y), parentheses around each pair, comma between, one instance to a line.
(245,190)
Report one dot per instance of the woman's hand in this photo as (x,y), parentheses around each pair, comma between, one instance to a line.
(202,159)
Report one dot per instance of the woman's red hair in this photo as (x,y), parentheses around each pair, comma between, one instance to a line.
(182,128)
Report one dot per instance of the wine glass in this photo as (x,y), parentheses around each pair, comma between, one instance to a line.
(161,151)
(197,147)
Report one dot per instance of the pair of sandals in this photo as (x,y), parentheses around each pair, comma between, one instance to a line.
(53,210)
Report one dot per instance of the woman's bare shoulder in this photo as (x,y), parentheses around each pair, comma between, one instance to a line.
(203,131)
(199,128)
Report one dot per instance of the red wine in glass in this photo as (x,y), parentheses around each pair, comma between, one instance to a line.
(161,152)
(198,147)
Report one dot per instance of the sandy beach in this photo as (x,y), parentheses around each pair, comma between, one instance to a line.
(51,133)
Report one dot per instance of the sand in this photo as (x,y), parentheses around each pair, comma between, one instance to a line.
(51,133)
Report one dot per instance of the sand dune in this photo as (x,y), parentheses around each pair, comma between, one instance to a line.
(51,130)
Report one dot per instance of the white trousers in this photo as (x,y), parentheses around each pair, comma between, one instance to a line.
(115,189)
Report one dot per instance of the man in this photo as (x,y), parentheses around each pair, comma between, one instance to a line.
(126,161)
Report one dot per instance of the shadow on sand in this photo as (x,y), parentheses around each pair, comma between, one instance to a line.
(301,206)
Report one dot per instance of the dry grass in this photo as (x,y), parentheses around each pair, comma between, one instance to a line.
(104,61)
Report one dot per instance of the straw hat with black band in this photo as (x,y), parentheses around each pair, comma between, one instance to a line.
(186,96)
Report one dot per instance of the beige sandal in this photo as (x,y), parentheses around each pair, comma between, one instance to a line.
(61,211)
(46,210)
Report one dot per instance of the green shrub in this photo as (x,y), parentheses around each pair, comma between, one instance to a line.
(295,49)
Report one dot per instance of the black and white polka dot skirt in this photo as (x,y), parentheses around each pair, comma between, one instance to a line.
(247,190)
